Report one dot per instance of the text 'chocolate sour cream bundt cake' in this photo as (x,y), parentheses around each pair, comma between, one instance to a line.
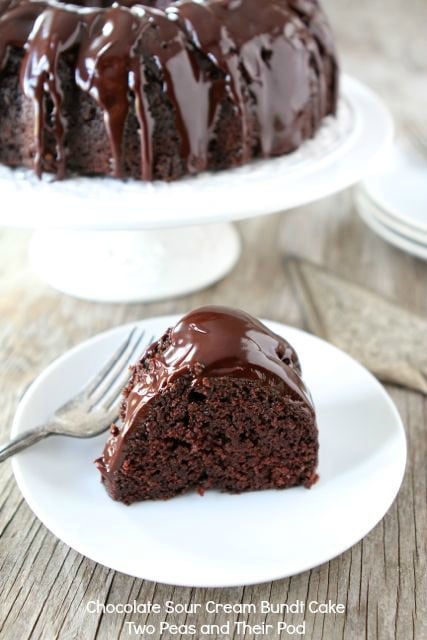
(156,89)
(218,402)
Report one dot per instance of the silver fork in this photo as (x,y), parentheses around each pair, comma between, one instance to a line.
(93,410)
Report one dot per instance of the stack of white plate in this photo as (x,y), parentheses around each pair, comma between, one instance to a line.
(393,202)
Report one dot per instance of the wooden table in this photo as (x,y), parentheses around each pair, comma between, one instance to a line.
(45,586)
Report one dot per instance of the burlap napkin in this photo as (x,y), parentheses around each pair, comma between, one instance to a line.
(390,341)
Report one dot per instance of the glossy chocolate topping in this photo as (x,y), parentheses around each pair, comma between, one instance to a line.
(267,58)
(207,343)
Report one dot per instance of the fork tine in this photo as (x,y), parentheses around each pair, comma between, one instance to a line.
(115,393)
(115,371)
(84,395)
(110,394)
(95,382)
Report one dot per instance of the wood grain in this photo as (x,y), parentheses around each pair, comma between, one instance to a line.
(45,586)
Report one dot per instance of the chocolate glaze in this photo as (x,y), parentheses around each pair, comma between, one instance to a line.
(209,342)
(272,60)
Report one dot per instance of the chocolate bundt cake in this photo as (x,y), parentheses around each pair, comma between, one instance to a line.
(156,89)
(217,402)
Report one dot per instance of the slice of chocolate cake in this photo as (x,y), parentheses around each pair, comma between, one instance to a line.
(217,402)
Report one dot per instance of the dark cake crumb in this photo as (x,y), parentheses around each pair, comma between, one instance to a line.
(211,405)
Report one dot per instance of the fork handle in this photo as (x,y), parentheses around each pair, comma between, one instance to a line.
(21,442)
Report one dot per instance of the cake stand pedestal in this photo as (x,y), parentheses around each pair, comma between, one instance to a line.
(125,241)
(132,266)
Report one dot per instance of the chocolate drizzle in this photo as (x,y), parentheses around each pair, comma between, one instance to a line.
(107,68)
(272,61)
(207,343)
(52,34)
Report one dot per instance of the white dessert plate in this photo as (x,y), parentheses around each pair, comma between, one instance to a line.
(220,539)
(388,220)
(374,218)
(400,189)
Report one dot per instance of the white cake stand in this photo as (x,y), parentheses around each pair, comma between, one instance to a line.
(124,241)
